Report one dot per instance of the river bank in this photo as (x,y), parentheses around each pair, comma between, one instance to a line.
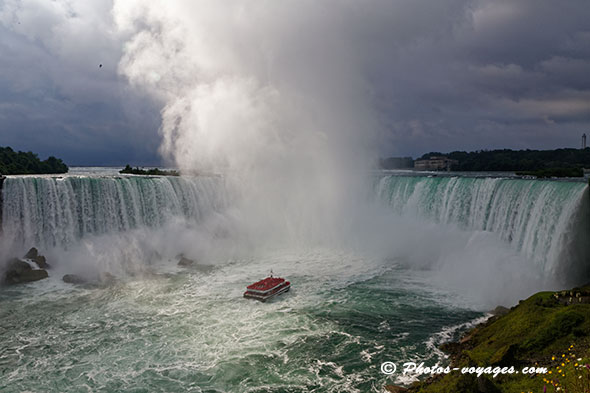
(548,330)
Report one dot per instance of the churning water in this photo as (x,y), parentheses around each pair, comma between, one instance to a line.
(161,328)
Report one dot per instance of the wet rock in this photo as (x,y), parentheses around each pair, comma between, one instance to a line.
(18,271)
(454,348)
(107,278)
(33,255)
(465,339)
(194,265)
(41,262)
(74,279)
(185,262)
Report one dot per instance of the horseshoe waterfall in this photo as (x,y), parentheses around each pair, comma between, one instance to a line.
(428,257)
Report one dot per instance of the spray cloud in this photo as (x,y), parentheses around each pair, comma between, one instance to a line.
(270,94)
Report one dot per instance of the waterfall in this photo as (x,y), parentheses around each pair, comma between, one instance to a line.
(59,211)
(547,221)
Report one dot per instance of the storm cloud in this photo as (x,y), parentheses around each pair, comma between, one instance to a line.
(60,91)
(440,75)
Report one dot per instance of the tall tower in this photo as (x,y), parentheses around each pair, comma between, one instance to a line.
(583,141)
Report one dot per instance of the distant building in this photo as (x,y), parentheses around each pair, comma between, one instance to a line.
(583,141)
(435,163)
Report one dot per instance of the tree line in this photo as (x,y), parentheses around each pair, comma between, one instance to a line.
(28,163)
(564,162)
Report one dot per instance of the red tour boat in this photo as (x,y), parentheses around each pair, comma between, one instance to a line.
(267,288)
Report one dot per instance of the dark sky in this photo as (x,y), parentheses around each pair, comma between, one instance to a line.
(444,74)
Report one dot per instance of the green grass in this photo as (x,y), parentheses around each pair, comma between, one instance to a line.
(536,332)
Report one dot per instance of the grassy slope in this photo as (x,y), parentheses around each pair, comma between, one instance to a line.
(538,331)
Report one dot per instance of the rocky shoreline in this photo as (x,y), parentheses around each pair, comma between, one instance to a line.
(549,329)
(32,267)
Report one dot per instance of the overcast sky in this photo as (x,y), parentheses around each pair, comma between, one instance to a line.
(444,75)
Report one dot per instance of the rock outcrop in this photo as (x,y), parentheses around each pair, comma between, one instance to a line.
(185,262)
(74,279)
(107,278)
(33,255)
(544,324)
(19,271)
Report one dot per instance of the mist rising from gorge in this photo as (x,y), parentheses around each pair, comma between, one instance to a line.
(276,98)
(271,95)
